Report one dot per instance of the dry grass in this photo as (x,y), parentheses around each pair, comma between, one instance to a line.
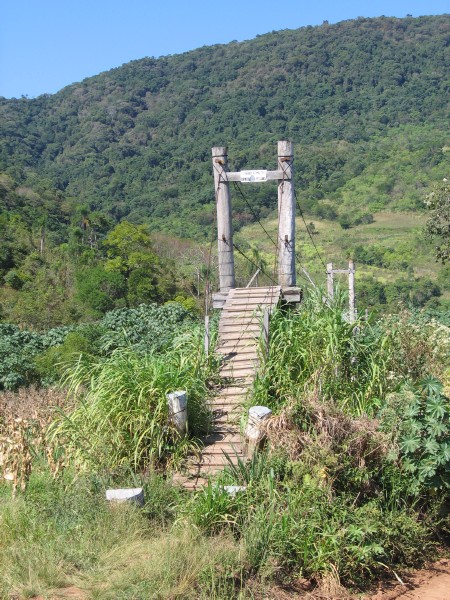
(326,429)
(32,402)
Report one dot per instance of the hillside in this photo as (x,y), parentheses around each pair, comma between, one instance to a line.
(366,102)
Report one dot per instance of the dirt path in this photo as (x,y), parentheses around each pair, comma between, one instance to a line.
(432,583)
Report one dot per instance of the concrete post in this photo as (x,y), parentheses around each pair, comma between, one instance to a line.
(254,434)
(177,402)
(351,291)
(330,282)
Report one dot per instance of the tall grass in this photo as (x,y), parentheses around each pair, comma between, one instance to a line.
(316,347)
(122,416)
(63,534)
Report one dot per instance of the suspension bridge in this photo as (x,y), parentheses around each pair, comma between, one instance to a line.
(245,312)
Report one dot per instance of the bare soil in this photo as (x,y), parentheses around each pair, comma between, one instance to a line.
(432,583)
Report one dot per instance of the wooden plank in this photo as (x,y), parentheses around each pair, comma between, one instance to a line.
(220,438)
(242,290)
(252,297)
(189,481)
(230,428)
(248,313)
(246,336)
(228,449)
(239,318)
(227,406)
(237,373)
(255,292)
(233,390)
(254,302)
(248,353)
(249,318)
(228,400)
(239,363)
(214,460)
(233,328)
(235,347)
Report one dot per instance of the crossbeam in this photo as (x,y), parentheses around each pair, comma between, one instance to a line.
(245,176)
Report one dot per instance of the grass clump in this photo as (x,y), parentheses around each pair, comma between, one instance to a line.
(122,415)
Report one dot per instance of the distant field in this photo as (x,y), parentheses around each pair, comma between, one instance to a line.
(400,232)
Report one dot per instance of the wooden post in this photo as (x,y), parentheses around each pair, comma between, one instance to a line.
(330,282)
(266,317)
(177,402)
(206,335)
(286,216)
(224,224)
(351,291)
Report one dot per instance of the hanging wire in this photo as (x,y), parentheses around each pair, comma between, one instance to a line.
(308,231)
(236,247)
(255,216)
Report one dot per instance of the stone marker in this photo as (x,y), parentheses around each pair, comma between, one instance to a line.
(232,490)
(254,433)
(177,402)
(126,495)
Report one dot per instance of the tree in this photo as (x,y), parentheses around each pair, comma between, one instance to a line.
(130,253)
(437,229)
(100,289)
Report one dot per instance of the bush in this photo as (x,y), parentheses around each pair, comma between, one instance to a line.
(29,357)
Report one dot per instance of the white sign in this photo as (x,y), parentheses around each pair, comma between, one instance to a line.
(253,176)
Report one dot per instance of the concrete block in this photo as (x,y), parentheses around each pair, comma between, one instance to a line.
(126,495)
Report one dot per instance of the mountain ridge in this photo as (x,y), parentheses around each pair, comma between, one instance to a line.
(134,141)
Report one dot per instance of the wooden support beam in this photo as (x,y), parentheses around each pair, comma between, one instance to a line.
(270,176)
(351,291)
(224,223)
(330,282)
(286,216)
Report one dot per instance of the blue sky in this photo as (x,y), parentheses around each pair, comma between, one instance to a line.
(48,44)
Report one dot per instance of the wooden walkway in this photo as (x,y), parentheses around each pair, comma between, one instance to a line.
(240,329)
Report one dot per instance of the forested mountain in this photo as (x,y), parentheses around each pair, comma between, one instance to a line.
(99,182)
(366,102)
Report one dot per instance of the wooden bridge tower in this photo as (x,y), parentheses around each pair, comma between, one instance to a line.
(286,219)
